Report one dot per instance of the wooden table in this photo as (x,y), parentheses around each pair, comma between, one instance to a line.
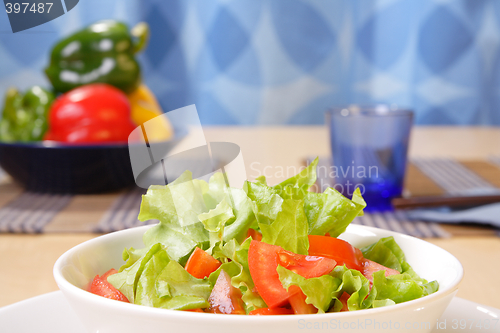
(26,260)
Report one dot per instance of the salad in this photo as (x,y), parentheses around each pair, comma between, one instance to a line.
(260,250)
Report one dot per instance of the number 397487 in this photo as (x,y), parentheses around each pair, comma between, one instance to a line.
(39,7)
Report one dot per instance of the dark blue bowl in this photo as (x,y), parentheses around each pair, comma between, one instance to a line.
(59,168)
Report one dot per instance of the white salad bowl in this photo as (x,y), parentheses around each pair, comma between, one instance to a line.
(74,270)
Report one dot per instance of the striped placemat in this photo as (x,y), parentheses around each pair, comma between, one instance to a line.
(123,213)
(31,212)
(400,222)
(454,177)
(24,212)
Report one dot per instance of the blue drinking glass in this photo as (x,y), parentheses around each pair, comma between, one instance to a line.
(369,149)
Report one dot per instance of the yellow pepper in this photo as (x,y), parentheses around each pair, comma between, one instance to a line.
(145,107)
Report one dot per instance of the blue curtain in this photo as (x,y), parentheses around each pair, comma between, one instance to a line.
(287,61)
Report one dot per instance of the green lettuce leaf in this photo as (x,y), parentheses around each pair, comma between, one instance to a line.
(183,205)
(320,291)
(244,215)
(381,303)
(146,286)
(177,207)
(261,180)
(235,258)
(178,203)
(266,202)
(385,252)
(180,241)
(131,255)
(356,285)
(215,221)
(325,291)
(166,284)
(184,303)
(331,212)
(214,191)
(290,229)
(126,280)
(174,281)
(295,193)
(396,288)
(358,199)
(306,178)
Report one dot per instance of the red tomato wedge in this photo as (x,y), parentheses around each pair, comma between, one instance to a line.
(256,235)
(306,266)
(263,260)
(100,286)
(270,312)
(359,255)
(345,296)
(298,302)
(108,273)
(201,264)
(370,267)
(225,298)
(339,250)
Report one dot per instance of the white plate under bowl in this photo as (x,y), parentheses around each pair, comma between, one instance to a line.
(74,270)
(51,313)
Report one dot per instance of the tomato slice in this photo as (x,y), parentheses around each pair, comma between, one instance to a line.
(225,298)
(263,260)
(370,267)
(100,286)
(108,273)
(256,235)
(345,296)
(306,266)
(334,248)
(201,264)
(270,311)
(298,302)
(359,255)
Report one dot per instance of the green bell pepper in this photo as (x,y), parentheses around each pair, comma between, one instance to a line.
(103,52)
(24,116)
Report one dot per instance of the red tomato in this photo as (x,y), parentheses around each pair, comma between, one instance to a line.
(108,273)
(89,114)
(306,266)
(345,296)
(334,248)
(225,298)
(370,267)
(201,264)
(263,260)
(359,255)
(100,286)
(254,234)
(269,312)
(298,302)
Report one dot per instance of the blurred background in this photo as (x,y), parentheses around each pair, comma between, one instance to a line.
(254,62)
